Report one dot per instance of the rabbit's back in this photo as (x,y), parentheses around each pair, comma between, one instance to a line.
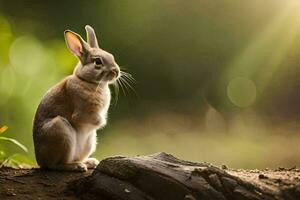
(56,102)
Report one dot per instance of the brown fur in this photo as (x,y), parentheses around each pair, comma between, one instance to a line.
(69,114)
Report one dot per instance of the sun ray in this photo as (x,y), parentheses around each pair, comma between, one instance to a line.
(264,55)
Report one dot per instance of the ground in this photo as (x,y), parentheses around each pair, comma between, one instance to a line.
(36,184)
(142,177)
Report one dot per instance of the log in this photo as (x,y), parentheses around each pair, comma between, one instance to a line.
(163,177)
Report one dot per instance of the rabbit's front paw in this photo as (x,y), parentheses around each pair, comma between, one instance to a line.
(91,163)
(80,167)
(92,118)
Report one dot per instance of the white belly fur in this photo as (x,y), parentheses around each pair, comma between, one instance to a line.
(86,137)
(85,145)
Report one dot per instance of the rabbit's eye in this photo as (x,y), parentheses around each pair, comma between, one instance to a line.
(98,61)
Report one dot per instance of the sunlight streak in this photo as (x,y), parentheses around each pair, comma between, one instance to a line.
(264,55)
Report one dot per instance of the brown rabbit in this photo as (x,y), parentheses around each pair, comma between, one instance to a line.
(66,120)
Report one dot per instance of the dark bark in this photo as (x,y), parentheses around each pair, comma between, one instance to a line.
(162,176)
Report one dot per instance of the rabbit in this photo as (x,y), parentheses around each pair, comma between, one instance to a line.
(70,113)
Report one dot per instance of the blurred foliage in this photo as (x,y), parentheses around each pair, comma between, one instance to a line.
(216,80)
(14,160)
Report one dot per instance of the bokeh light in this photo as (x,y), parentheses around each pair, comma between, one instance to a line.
(241,92)
(7,84)
(27,55)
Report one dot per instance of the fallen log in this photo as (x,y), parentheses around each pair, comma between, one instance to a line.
(163,177)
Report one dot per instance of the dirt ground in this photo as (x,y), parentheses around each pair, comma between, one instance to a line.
(37,184)
(278,181)
(41,184)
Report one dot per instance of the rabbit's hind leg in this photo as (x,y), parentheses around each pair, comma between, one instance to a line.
(56,146)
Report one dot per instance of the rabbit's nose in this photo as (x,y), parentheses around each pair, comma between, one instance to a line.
(115,72)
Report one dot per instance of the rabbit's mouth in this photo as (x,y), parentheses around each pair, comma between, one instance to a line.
(111,76)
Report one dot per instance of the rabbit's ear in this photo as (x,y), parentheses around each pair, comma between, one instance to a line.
(91,36)
(75,43)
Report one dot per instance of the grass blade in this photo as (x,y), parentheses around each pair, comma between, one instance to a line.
(15,142)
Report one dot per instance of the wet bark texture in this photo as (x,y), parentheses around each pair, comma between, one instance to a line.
(163,177)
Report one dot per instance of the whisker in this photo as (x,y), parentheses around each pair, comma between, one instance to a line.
(122,86)
(128,85)
(128,76)
(124,72)
(129,80)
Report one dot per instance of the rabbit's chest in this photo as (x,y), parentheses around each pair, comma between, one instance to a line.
(94,107)
(96,102)
(90,104)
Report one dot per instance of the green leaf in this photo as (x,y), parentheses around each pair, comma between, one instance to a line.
(15,142)
(3,129)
